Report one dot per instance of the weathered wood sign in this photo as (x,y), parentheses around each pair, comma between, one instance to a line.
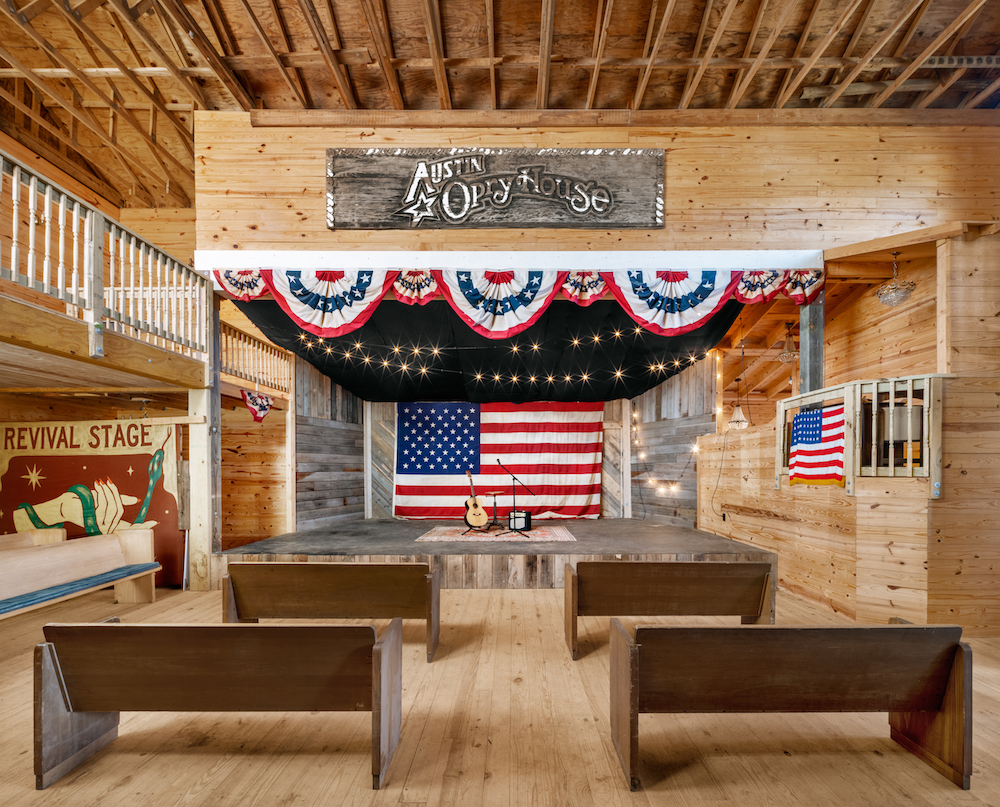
(401,188)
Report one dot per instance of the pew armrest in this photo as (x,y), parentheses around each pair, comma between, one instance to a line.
(625,701)
(387,698)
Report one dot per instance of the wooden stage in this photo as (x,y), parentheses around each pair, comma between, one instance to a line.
(499,563)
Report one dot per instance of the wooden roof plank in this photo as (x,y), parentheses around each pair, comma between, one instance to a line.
(748,48)
(801,42)
(939,40)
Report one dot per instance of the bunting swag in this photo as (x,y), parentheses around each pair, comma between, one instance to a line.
(671,303)
(416,286)
(553,449)
(500,304)
(329,303)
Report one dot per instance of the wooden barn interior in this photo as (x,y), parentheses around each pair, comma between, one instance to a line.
(147,146)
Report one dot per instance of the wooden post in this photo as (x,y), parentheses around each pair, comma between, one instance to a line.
(811,344)
(291,452)
(366,417)
(205,454)
(93,271)
(626,460)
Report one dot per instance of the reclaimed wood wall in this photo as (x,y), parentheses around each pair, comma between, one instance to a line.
(329,451)
(666,425)
(752,187)
(614,500)
(383,459)
(254,476)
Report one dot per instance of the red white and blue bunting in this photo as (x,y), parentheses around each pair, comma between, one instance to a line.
(501,304)
(258,403)
(416,286)
(329,303)
(670,302)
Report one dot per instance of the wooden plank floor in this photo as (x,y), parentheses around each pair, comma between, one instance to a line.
(502,717)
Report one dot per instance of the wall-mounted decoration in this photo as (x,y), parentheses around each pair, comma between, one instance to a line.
(94,477)
(404,188)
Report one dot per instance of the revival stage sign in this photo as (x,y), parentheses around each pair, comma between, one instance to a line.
(400,188)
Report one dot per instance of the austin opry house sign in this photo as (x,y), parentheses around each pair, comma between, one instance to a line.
(403,188)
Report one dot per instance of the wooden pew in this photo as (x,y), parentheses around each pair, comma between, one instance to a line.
(19,540)
(254,591)
(641,588)
(35,576)
(85,674)
(920,675)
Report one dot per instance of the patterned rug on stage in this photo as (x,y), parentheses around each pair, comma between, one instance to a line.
(534,535)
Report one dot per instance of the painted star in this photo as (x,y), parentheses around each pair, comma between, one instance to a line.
(34,477)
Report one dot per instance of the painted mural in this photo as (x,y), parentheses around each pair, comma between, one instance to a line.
(94,477)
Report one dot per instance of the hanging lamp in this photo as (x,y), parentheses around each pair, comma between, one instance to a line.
(738,420)
(789,354)
(895,292)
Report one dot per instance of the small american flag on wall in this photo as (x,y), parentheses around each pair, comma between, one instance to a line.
(817,447)
(554,449)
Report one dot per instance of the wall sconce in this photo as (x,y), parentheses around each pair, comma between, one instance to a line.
(895,292)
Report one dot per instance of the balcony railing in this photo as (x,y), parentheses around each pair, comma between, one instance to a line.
(892,427)
(64,251)
(249,358)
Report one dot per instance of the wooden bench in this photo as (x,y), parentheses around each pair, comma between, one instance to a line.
(920,675)
(20,540)
(641,588)
(85,674)
(254,591)
(34,576)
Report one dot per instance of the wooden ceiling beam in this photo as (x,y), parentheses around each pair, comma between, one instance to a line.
(907,37)
(821,47)
(976,100)
(266,41)
(71,16)
(59,58)
(855,37)
(383,51)
(527,118)
(880,43)
(692,85)
(748,48)
(800,43)
(929,86)
(545,34)
(696,52)
(491,53)
(939,40)
(226,77)
(739,92)
(927,98)
(281,28)
(857,271)
(640,89)
(435,43)
(77,113)
(124,13)
(601,35)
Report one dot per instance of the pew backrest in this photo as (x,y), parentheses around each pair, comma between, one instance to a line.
(254,591)
(920,675)
(19,540)
(652,588)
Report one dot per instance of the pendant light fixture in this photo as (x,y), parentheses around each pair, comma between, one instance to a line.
(895,292)
(789,354)
(738,420)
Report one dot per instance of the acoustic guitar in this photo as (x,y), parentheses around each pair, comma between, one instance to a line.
(475,516)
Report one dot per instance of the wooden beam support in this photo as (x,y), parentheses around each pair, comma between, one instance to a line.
(383,51)
(227,77)
(880,43)
(821,47)
(801,40)
(692,85)
(282,70)
(601,34)
(640,89)
(526,118)
(696,53)
(491,51)
(747,49)
(435,42)
(740,91)
(546,29)
(939,40)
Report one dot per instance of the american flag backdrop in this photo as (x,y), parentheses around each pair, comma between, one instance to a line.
(553,448)
(817,447)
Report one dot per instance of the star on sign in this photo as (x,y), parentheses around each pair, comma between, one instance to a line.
(34,477)
(421,208)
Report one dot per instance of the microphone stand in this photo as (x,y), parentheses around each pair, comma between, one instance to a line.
(513,490)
